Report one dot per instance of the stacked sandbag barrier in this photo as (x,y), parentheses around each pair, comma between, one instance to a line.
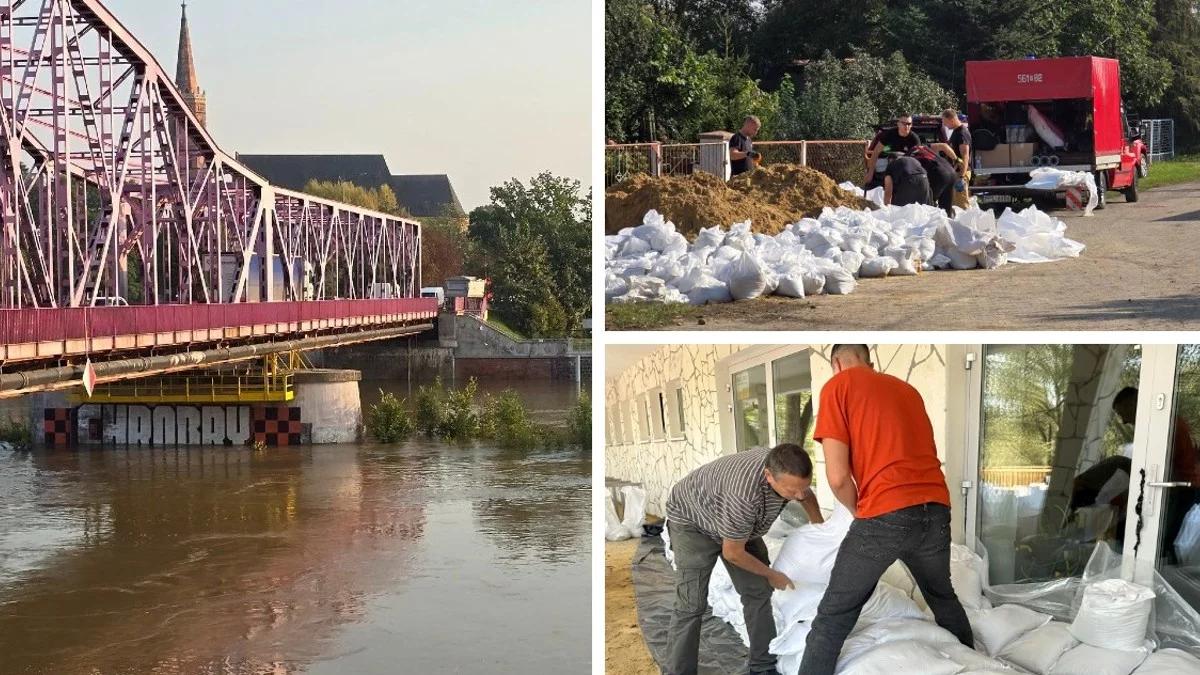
(823,255)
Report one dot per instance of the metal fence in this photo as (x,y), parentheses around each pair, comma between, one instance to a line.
(840,160)
(1159,136)
(1015,476)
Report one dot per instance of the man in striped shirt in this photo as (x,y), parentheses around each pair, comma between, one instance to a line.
(722,510)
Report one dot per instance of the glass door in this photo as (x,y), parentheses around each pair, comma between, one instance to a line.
(1054,441)
(1168,467)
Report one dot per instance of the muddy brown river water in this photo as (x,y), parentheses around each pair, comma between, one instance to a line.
(420,558)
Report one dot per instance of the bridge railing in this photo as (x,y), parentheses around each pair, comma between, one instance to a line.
(25,326)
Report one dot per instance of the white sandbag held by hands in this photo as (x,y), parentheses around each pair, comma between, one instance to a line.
(1114,614)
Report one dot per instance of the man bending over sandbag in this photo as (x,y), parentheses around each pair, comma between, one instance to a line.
(881,463)
(722,510)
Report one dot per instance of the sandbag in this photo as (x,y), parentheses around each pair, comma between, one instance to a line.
(808,554)
(746,277)
(973,660)
(900,578)
(995,628)
(1169,662)
(792,285)
(851,261)
(1038,650)
(1088,660)
(635,509)
(888,602)
(1114,614)
(901,658)
(967,576)
(877,267)
(614,530)
(838,281)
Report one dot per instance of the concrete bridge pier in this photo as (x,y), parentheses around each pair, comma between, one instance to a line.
(329,404)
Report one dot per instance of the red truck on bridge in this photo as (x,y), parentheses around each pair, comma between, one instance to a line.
(1065,113)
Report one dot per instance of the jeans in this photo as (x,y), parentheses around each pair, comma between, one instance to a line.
(695,555)
(920,537)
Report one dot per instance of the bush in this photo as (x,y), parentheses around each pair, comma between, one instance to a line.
(430,407)
(389,420)
(16,434)
(505,421)
(459,421)
(579,423)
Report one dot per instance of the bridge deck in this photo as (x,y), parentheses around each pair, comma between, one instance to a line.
(44,334)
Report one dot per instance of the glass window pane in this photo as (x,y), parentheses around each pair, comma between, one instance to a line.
(1179,542)
(1054,457)
(645,418)
(792,389)
(682,427)
(750,407)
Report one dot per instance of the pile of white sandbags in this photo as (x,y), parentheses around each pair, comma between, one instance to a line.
(827,254)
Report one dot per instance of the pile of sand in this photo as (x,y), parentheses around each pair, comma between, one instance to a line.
(770,197)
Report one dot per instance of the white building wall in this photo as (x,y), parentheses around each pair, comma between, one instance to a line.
(703,370)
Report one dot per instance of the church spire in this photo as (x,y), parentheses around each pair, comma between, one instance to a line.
(185,71)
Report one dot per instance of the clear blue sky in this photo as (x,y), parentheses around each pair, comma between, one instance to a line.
(482,90)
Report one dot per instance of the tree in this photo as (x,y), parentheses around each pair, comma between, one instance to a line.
(534,243)
(1176,39)
(659,87)
(845,98)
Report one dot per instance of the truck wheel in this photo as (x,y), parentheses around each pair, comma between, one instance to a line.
(1143,167)
(1102,188)
(1131,192)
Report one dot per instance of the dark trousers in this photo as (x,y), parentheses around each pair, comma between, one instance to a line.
(920,537)
(911,190)
(941,192)
(695,555)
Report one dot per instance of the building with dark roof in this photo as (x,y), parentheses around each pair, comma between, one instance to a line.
(423,196)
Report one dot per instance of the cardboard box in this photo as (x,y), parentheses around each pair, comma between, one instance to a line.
(1022,153)
(998,158)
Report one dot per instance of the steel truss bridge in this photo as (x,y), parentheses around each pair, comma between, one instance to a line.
(111,188)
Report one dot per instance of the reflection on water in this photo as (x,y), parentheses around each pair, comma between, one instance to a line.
(331,559)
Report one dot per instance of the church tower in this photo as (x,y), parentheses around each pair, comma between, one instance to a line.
(185,73)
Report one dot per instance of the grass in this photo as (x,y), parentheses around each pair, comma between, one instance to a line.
(1182,169)
(496,322)
(643,315)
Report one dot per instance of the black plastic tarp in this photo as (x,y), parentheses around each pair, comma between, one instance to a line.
(721,649)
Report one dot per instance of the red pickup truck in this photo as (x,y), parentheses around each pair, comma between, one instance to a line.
(1061,112)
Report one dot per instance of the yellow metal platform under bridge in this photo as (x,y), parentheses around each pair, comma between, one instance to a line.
(270,383)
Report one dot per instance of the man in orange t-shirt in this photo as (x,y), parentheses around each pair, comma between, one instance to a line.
(881,463)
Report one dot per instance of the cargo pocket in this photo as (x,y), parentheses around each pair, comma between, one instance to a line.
(691,593)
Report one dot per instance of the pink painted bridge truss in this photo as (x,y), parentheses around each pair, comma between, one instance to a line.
(111,188)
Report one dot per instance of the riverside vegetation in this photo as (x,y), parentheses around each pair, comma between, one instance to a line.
(458,415)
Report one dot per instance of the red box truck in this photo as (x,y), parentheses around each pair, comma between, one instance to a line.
(1061,112)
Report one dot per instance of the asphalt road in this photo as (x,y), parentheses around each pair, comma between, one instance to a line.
(1140,271)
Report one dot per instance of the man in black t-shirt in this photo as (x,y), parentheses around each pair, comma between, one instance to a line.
(900,138)
(741,146)
(956,134)
(905,182)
